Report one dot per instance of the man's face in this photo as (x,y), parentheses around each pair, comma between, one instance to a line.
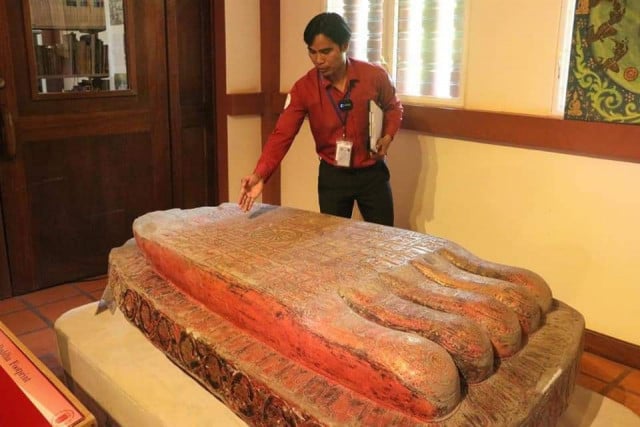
(327,56)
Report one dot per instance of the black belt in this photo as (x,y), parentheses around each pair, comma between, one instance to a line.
(342,168)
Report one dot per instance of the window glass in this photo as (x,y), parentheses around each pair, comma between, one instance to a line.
(421,42)
(78,45)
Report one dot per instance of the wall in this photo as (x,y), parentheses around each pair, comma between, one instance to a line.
(569,218)
(242,24)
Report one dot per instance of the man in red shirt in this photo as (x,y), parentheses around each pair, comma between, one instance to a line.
(335,96)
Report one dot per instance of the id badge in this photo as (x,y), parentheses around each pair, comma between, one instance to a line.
(343,153)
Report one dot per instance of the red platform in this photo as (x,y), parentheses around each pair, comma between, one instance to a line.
(31,395)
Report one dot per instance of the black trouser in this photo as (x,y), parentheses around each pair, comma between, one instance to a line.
(339,187)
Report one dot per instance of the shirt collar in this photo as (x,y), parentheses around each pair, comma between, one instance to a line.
(352,75)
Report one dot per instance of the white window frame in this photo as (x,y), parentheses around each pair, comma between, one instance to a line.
(564,57)
(389,54)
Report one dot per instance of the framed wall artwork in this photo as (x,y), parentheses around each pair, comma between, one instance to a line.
(604,81)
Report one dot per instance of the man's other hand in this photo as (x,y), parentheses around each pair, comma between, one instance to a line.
(382,146)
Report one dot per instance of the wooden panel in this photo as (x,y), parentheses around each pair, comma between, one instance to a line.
(85,193)
(612,348)
(245,104)
(5,279)
(193,144)
(597,139)
(35,128)
(270,80)
(194,174)
(239,104)
(194,51)
(219,76)
(7,103)
(193,116)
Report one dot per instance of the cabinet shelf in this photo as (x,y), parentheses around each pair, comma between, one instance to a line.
(80,15)
(71,76)
(64,54)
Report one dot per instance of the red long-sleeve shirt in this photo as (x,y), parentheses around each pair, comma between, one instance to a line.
(310,97)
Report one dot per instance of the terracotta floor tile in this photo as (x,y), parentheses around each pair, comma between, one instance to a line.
(631,382)
(590,382)
(92,285)
(23,321)
(630,400)
(10,305)
(40,342)
(600,367)
(54,310)
(49,295)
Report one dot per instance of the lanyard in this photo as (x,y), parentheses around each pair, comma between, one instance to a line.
(342,115)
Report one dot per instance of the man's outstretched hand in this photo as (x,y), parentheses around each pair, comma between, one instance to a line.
(250,189)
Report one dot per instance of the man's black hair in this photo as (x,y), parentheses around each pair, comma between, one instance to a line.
(331,25)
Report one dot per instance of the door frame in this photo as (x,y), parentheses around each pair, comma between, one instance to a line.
(7,104)
(220,171)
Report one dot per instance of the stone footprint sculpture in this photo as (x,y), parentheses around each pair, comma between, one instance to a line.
(405,319)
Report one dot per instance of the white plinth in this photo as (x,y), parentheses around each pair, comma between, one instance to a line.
(135,383)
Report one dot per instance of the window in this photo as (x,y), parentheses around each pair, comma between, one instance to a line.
(420,42)
(78,46)
(564,57)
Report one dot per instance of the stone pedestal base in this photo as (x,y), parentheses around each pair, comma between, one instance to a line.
(263,387)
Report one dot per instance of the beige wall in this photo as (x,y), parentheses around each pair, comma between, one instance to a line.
(242,22)
(572,219)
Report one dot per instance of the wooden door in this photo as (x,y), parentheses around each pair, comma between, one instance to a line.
(77,169)
(191,54)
